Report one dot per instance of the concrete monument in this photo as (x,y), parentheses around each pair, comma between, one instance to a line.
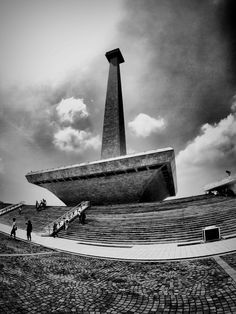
(117,178)
(113,140)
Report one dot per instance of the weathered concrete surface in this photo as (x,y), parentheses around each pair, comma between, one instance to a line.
(149,176)
(113,140)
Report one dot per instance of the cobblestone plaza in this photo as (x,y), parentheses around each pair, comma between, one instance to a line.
(34,279)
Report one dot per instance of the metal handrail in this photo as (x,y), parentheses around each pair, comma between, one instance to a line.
(70,215)
(10,208)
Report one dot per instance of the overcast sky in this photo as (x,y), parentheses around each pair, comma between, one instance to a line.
(178,80)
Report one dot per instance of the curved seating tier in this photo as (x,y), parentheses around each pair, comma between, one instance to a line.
(179,220)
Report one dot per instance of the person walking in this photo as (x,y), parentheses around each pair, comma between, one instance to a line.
(83,217)
(37,205)
(20,210)
(29,230)
(54,233)
(14,228)
(66,226)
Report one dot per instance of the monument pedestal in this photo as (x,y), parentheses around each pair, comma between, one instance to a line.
(143,177)
(117,178)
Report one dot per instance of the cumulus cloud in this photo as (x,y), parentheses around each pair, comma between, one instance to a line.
(71,108)
(205,159)
(215,146)
(72,129)
(143,125)
(71,140)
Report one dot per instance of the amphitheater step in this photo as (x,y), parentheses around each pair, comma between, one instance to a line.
(162,222)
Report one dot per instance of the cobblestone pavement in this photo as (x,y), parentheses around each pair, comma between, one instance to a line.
(11,246)
(66,283)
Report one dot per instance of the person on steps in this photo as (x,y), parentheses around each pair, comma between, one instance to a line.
(37,205)
(54,232)
(14,228)
(66,226)
(29,230)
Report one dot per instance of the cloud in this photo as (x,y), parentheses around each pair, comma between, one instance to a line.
(143,125)
(71,140)
(71,133)
(71,108)
(214,147)
(205,159)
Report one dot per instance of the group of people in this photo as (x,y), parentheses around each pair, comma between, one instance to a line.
(41,205)
(221,192)
(29,229)
(55,228)
(66,224)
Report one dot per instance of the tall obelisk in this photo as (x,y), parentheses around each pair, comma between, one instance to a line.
(113,139)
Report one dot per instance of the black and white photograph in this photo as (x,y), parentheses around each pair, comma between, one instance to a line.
(117,156)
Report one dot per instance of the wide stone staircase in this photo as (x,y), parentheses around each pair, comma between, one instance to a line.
(179,220)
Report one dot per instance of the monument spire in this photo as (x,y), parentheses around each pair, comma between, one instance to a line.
(113,139)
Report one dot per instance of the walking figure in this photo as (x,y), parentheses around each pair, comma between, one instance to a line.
(37,205)
(14,228)
(66,226)
(20,210)
(54,232)
(29,230)
(83,217)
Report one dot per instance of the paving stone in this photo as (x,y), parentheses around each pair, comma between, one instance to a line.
(63,283)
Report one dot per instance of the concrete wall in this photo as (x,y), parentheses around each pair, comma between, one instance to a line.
(156,188)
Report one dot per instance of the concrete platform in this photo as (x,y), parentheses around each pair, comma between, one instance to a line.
(152,252)
(141,177)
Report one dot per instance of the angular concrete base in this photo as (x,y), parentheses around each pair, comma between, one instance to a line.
(145,177)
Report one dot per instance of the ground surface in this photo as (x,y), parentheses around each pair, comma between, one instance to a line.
(10,246)
(63,283)
(230,259)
